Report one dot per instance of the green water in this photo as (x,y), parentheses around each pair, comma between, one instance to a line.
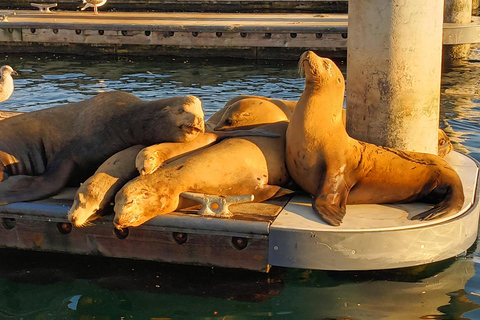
(49,286)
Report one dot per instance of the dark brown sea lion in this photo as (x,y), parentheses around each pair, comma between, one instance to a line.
(40,151)
(338,169)
(236,166)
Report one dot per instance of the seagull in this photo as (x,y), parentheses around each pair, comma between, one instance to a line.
(93,3)
(6,82)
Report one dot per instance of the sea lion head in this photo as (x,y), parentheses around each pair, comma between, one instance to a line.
(192,121)
(87,202)
(81,214)
(137,202)
(176,119)
(250,112)
(319,71)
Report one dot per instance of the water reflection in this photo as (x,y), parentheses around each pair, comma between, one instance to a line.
(460,109)
(71,287)
(48,286)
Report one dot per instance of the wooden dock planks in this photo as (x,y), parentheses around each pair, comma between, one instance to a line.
(206,31)
(246,35)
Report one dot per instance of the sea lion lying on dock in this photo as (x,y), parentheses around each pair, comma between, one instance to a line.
(241,112)
(95,194)
(235,166)
(41,150)
(338,169)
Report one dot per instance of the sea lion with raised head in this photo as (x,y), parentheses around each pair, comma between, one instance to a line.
(337,169)
(235,166)
(41,150)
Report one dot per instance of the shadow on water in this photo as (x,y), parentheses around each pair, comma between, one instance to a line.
(39,284)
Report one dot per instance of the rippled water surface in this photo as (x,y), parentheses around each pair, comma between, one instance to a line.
(48,286)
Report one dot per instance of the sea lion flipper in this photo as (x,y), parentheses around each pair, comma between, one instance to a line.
(330,203)
(330,213)
(153,157)
(26,188)
(452,204)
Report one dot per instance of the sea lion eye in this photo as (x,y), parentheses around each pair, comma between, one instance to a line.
(180,111)
(228,122)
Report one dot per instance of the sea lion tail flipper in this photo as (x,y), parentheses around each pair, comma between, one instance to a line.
(20,188)
(451,204)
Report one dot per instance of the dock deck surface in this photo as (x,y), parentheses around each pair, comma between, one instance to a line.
(278,232)
(247,35)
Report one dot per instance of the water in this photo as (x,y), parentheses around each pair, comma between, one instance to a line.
(49,286)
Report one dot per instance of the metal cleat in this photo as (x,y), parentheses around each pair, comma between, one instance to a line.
(216,206)
(5,14)
(44,7)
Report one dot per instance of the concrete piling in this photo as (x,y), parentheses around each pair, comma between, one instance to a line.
(394,53)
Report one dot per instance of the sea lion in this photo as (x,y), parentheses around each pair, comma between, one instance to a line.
(97,192)
(41,150)
(235,166)
(285,105)
(240,112)
(95,195)
(338,169)
(249,112)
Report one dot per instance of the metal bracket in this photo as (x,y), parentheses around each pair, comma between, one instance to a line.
(4,15)
(216,206)
(44,7)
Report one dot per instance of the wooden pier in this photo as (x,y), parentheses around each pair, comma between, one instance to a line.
(246,35)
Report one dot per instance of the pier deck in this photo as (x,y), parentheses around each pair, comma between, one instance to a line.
(246,35)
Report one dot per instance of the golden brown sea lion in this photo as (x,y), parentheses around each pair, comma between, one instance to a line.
(338,169)
(248,112)
(41,150)
(97,192)
(285,105)
(236,166)
(240,112)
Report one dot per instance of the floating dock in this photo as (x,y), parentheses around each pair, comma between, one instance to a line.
(243,35)
(279,232)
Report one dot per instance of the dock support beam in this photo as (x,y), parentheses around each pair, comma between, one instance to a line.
(457,11)
(394,70)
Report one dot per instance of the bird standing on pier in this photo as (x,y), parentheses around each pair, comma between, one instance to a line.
(6,82)
(93,3)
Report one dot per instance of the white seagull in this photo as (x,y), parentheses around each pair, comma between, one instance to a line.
(93,3)
(6,82)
